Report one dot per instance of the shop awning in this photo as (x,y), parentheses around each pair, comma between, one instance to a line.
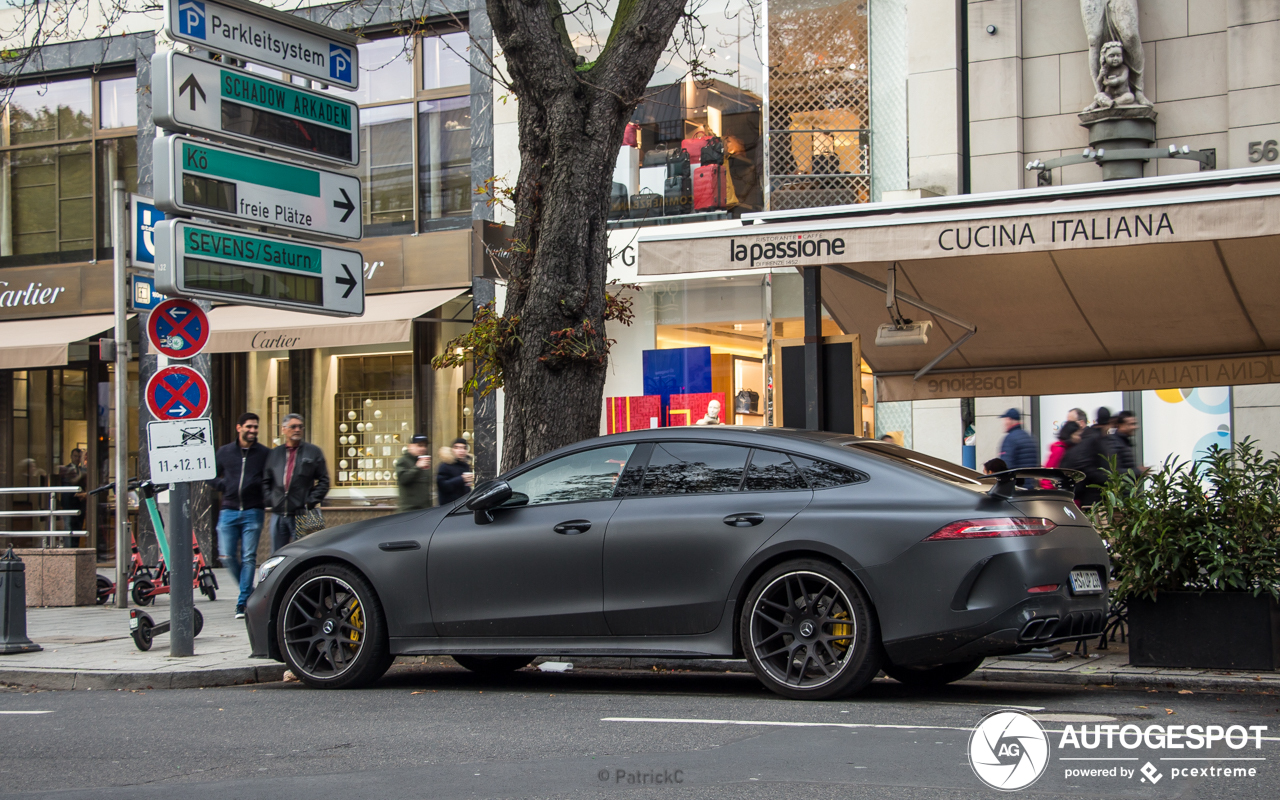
(36,343)
(1157,283)
(387,318)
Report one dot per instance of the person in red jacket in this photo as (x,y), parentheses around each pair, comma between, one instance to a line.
(1068,437)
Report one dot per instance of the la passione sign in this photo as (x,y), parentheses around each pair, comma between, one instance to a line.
(909,237)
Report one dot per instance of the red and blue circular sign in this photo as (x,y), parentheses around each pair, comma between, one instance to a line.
(177,393)
(178,328)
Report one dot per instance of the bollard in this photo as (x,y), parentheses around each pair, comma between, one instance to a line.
(13,606)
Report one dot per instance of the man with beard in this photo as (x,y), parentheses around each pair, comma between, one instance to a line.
(240,471)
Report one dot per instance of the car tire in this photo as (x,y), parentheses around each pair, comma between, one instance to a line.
(331,629)
(795,635)
(494,665)
(931,675)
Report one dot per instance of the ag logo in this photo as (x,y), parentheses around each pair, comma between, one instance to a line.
(1008,750)
(340,63)
(191,18)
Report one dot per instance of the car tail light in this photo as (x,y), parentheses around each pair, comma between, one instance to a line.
(993,528)
(1048,587)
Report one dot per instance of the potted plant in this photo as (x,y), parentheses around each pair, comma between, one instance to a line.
(1196,552)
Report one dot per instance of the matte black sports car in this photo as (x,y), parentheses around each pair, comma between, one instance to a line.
(820,558)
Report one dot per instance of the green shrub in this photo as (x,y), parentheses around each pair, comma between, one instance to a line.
(1208,526)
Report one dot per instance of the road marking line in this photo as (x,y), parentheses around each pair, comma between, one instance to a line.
(26,712)
(779,724)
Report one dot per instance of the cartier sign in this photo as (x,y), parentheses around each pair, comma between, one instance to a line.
(55,291)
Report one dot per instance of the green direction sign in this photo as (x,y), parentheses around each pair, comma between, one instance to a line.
(206,97)
(228,264)
(197,177)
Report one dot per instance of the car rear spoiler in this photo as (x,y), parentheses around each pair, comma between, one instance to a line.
(1007,481)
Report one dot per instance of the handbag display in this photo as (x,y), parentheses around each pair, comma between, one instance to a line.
(646,205)
(678,164)
(712,151)
(677,195)
(694,146)
(657,157)
(708,187)
(746,402)
(619,204)
(308,522)
(629,135)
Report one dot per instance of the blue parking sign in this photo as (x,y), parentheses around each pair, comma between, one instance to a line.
(145,216)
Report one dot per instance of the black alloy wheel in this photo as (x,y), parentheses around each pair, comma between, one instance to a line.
(931,675)
(809,632)
(494,665)
(332,630)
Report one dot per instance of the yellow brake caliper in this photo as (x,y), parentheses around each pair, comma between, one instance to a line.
(843,631)
(357,620)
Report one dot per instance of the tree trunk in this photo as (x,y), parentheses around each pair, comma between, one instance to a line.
(571,121)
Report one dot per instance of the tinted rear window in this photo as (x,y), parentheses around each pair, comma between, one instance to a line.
(771,471)
(824,474)
(936,467)
(694,468)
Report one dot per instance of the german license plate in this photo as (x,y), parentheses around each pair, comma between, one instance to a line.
(1086,581)
(133,623)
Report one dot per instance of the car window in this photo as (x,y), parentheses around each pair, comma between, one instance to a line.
(585,475)
(824,475)
(694,468)
(771,471)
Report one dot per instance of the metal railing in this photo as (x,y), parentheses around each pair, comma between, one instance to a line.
(51,513)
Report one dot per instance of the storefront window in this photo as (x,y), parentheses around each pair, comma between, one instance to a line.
(386,169)
(50,203)
(445,61)
(444,158)
(373,419)
(118,103)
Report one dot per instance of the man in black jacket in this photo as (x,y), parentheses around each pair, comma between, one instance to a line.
(1088,457)
(454,476)
(1119,445)
(296,479)
(240,470)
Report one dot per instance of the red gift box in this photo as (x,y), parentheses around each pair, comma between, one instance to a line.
(689,409)
(634,413)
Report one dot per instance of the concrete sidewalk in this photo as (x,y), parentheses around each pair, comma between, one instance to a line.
(90,648)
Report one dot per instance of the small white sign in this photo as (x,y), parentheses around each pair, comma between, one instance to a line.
(181,450)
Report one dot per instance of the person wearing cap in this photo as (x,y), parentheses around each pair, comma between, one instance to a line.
(413,474)
(1018,448)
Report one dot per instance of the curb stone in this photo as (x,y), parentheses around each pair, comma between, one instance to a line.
(103,680)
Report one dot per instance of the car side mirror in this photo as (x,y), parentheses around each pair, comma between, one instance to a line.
(486,496)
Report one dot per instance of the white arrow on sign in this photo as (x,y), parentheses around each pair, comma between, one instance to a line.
(193,176)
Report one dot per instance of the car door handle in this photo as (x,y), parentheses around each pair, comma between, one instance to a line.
(573,526)
(747,520)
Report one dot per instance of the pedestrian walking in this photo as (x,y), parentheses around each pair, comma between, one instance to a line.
(454,476)
(241,468)
(993,466)
(413,474)
(296,480)
(1068,436)
(1087,457)
(1119,445)
(1018,448)
(1078,416)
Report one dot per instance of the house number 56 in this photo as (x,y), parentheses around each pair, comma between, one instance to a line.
(1259,151)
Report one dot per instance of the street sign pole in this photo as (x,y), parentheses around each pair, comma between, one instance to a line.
(181,596)
(122,390)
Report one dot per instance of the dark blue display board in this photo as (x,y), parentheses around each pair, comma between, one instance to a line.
(686,370)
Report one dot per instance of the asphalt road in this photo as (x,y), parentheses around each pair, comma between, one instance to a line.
(439,732)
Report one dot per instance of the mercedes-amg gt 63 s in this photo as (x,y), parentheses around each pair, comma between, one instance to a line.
(820,558)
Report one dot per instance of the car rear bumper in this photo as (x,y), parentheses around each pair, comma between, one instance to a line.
(1034,622)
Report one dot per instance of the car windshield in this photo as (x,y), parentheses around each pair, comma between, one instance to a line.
(937,467)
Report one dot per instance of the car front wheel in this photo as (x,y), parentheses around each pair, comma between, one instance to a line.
(332,630)
(809,633)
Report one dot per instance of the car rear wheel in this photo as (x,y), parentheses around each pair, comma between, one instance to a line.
(332,630)
(931,675)
(494,665)
(809,633)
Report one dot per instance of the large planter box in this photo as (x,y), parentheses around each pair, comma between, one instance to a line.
(66,576)
(1214,630)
